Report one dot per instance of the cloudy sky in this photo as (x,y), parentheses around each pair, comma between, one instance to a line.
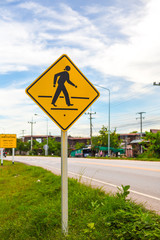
(115,44)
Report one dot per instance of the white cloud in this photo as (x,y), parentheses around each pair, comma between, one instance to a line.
(137,58)
(24,44)
(112,43)
(10,99)
(35,43)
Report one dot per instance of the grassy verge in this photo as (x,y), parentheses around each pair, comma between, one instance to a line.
(30,208)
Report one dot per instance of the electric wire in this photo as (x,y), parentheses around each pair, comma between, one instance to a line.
(116,117)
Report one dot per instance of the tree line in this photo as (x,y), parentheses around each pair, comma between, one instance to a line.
(38,148)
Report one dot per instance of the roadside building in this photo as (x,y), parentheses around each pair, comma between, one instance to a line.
(129,151)
(130,143)
(154,130)
(71,140)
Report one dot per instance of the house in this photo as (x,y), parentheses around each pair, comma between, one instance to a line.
(154,130)
(130,142)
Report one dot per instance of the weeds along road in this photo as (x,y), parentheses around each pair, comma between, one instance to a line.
(143,177)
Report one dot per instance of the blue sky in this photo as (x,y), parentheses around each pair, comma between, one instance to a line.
(114,43)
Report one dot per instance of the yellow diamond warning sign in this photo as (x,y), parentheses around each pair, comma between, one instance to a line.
(63,92)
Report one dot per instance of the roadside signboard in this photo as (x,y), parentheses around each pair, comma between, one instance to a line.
(63,92)
(8,141)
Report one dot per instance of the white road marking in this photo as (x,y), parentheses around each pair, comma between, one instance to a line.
(110,184)
(96,180)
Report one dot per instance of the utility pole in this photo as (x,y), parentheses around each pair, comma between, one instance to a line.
(90,117)
(32,132)
(46,149)
(109,93)
(140,113)
(23,135)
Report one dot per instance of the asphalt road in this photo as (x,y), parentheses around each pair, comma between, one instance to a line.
(143,177)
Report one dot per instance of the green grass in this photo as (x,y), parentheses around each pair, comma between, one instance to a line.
(30,208)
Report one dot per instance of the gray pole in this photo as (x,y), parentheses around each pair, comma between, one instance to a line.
(47,138)
(64,182)
(23,135)
(109,124)
(31,133)
(90,117)
(141,125)
(140,113)
(1,156)
(13,151)
(108,117)
(46,151)
(141,149)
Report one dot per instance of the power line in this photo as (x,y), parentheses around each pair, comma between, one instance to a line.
(131,97)
(122,118)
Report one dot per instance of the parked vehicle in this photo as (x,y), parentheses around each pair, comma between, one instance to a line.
(83,152)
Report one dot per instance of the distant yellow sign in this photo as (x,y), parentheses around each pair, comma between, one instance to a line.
(63,92)
(8,141)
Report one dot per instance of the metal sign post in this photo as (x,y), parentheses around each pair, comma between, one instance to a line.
(64,104)
(1,156)
(13,155)
(64,182)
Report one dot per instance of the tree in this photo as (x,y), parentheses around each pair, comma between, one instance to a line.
(22,146)
(102,138)
(54,146)
(151,144)
(36,147)
(79,145)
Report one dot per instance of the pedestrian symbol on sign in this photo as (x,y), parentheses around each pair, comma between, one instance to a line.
(63,77)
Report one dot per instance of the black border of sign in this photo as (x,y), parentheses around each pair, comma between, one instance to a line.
(27,91)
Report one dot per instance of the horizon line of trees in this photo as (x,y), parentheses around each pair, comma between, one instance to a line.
(38,148)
